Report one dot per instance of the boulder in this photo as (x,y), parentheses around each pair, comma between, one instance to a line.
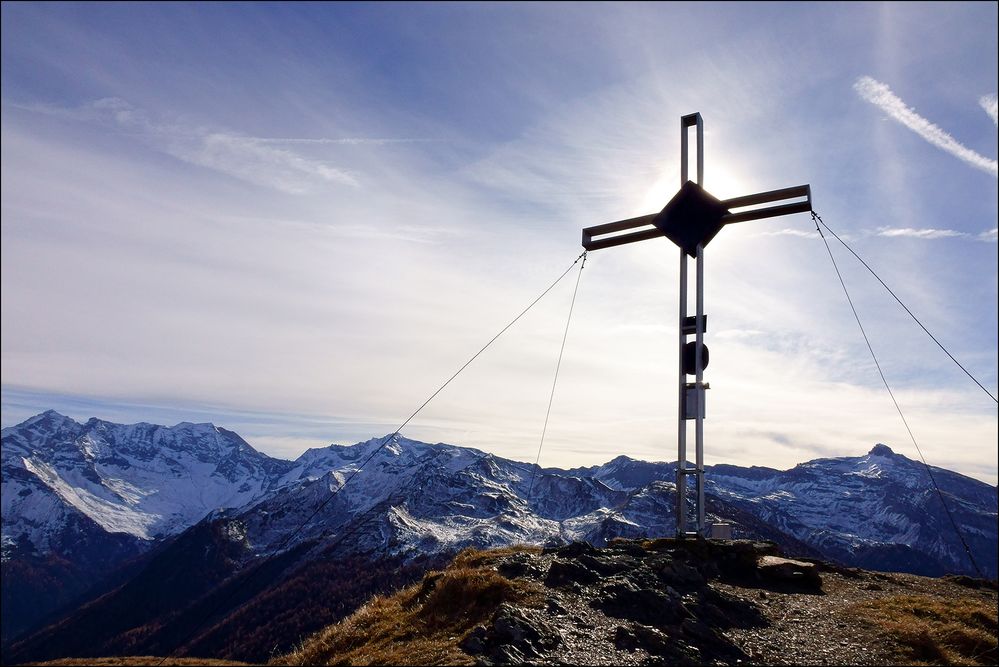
(511,636)
(567,572)
(787,571)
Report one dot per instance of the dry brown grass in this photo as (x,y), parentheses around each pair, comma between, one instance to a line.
(139,661)
(935,631)
(423,623)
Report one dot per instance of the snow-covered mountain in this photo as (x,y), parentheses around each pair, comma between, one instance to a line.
(97,494)
(141,480)
(78,500)
(412,497)
(878,510)
(151,482)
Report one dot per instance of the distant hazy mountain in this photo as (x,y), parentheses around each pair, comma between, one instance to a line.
(97,507)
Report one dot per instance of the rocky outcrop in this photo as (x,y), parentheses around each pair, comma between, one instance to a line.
(663,602)
(647,602)
(787,571)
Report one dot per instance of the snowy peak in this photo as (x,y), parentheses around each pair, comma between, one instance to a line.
(881,450)
(49,430)
(391,452)
(628,474)
(143,480)
(49,419)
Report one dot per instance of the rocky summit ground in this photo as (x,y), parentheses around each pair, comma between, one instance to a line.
(703,602)
(666,602)
(659,602)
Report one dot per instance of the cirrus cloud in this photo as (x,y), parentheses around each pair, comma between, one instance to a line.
(251,159)
(881,96)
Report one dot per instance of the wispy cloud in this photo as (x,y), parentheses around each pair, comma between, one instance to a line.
(247,158)
(342,141)
(882,96)
(920,233)
(251,161)
(991,105)
(930,234)
(802,234)
(788,231)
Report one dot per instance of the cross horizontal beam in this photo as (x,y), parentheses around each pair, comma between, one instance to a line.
(590,234)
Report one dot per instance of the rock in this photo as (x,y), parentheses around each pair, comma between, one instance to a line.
(738,559)
(654,641)
(576,549)
(971,582)
(625,639)
(520,566)
(475,642)
(565,572)
(681,574)
(643,577)
(696,629)
(511,637)
(608,563)
(511,625)
(787,571)
(662,648)
(713,615)
(629,547)
(507,655)
(556,608)
(622,599)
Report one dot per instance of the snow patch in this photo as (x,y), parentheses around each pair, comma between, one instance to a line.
(111,517)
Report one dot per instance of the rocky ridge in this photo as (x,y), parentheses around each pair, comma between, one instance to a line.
(695,602)
(636,602)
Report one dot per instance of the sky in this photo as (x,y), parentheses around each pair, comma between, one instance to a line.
(296,221)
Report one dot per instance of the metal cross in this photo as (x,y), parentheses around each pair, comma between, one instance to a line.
(691,219)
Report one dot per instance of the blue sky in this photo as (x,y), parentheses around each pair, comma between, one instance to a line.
(297,220)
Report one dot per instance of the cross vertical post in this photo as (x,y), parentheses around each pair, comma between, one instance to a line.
(691,219)
(686,122)
(683,406)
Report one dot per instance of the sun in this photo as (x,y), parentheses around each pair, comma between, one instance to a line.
(720,182)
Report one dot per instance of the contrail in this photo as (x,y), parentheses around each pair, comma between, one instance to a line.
(881,96)
(991,106)
(920,233)
(349,141)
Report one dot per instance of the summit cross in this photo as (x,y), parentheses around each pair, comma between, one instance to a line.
(691,219)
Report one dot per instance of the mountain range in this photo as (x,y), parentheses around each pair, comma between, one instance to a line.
(151,539)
